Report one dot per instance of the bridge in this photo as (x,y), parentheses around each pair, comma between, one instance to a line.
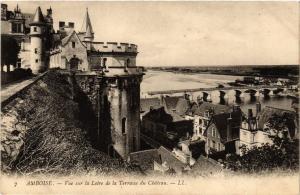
(205,93)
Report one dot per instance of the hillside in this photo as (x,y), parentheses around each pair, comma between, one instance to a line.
(44,131)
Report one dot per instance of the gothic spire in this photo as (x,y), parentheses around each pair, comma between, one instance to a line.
(87,23)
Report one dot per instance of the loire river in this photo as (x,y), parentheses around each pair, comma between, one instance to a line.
(160,80)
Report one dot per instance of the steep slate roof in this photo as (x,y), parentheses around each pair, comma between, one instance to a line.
(88,33)
(167,156)
(145,158)
(159,115)
(87,23)
(204,106)
(182,106)
(171,102)
(147,103)
(65,40)
(38,17)
(28,18)
(221,123)
(205,166)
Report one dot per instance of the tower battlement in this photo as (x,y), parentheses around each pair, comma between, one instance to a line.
(115,47)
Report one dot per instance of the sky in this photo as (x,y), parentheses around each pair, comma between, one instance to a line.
(189,33)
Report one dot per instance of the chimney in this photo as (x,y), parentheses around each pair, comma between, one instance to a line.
(71,25)
(250,113)
(258,108)
(49,12)
(61,24)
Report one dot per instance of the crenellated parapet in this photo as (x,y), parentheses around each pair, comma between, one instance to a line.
(114,47)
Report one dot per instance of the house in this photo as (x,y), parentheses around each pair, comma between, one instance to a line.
(147,104)
(166,128)
(223,132)
(162,160)
(256,131)
(168,162)
(201,115)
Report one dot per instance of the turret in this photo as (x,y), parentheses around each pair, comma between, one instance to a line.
(37,28)
(87,29)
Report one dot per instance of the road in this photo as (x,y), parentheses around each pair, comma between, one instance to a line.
(12,88)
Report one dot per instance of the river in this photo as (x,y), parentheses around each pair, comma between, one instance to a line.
(161,80)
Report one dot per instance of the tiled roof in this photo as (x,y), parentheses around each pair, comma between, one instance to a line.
(167,156)
(28,18)
(205,166)
(147,103)
(221,123)
(159,115)
(182,106)
(38,17)
(171,102)
(217,108)
(145,158)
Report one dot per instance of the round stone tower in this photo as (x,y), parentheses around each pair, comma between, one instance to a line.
(119,101)
(37,27)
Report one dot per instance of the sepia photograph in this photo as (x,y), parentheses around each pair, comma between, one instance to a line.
(150,97)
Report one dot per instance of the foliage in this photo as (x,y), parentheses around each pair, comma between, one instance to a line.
(264,158)
(282,154)
(9,50)
(56,141)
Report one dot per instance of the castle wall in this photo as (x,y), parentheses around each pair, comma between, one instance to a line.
(116,102)
(115,47)
(124,109)
(97,61)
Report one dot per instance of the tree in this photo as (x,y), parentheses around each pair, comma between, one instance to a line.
(282,154)
(9,50)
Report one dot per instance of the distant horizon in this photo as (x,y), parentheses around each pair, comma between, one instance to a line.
(195,33)
(259,65)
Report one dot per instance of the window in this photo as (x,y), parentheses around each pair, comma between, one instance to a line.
(127,62)
(104,62)
(213,144)
(219,147)
(213,130)
(35,50)
(16,28)
(123,125)
(200,121)
(35,29)
(36,60)
(73,44)
(19,63)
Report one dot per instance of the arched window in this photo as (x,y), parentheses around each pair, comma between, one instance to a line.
(104,62)
(127,62)
(123,125)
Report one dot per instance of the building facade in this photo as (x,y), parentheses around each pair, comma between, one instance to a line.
(33,33)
